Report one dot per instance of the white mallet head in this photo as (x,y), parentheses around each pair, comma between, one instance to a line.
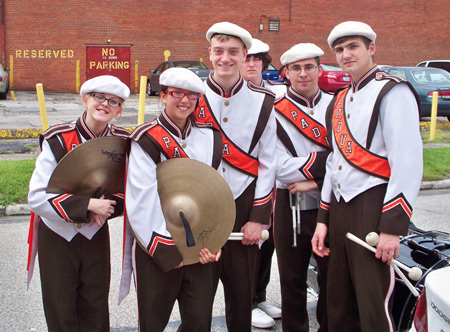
(264,234)
(372,239)
(415,273)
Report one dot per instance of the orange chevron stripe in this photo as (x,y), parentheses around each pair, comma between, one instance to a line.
(158,240)
(57,204)
(398,201)
(309,164)
(263,201)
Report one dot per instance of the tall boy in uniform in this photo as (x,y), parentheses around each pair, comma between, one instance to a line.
(263,314)
(243,113)
(302,149)
(372,179)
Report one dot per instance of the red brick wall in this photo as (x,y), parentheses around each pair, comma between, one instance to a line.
(409,31)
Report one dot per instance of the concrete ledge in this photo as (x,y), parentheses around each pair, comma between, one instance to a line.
(443,184)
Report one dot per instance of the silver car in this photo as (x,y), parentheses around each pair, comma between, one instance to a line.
(4,82)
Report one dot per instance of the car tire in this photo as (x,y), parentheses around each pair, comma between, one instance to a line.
(3,95)
(149,89)
(448,117)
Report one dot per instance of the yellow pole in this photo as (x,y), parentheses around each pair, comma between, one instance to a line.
(433,116)
(166,55)
(136,66)
(11,77)
(142,100)
(42,108)
(77,79)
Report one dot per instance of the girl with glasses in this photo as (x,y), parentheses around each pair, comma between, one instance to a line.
(161,277)
(73,240)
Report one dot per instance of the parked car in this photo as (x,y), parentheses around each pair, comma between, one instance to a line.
(271,74)
(425,81)
(333,77)
(430,251)
(441,64)
(433,308)
(4,82)
(199,68)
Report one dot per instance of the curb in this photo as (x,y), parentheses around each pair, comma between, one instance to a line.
(24,209)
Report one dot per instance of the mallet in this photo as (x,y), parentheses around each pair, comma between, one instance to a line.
(240,236)
(372,239)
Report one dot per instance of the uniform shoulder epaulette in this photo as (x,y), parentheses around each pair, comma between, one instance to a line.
(277,82)
(119,131)
(258,88)
(142,129)
(279,99)
(381,75)
(58,129)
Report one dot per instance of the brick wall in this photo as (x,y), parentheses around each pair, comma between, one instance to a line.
(409,31)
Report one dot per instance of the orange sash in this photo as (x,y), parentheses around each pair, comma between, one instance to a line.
(352,151)
(231,153)
(310,128)
(168,145)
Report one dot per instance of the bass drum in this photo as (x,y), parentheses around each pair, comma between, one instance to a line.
(428,251)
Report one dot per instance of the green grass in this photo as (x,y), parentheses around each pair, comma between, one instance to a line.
(14,179)
(16,174)
(441,136)
(436,164)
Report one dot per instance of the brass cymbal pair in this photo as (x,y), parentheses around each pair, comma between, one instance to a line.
(188,189)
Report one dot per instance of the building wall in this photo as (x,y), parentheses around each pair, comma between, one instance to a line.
(46,38)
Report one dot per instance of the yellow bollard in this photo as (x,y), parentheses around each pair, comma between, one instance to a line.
(136,76)
(166,55)
(42,108)
(11,77)
(77,77)
(142,93)
(433,116)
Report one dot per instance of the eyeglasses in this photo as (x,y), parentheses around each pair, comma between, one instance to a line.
(297,69)
(102,98)
(180,94)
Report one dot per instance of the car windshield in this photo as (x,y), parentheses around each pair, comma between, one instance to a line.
(329,67)
(430,76)
(271,67)
(190,64)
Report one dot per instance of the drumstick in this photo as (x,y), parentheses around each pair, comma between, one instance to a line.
(414,273)
(240,236)
(372,239)
(294,221)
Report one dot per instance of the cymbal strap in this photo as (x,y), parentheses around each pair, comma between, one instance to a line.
(189,236)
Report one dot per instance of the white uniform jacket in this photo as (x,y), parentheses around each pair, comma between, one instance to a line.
(299,156)
(64,214)
(143,205)
(279,88)
(246,118)
(393,135)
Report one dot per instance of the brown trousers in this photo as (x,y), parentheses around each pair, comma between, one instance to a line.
(359,285)
(293,265)
(75,278)
(236,269)
(191,285)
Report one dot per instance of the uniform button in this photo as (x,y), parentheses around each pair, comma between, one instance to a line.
(311,112)
(340,167)
(223,169)
(227,103)
(351,98)
(225,119)
(348,116)
(184,145)
(339,186)
(78,226)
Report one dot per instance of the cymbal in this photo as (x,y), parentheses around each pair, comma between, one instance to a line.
(94,168)
(205,199)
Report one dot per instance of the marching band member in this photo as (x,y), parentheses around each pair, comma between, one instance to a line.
(372,179)
(73,237)
(243,113)
(161,278)
(258,59)
(302,149)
